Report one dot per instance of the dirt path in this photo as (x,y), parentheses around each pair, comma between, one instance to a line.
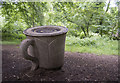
(77,67)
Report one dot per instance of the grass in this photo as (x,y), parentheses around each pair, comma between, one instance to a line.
(91,49)
(14,42)
(97,45)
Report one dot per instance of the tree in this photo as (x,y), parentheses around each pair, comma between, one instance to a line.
(30,12)
(79,17)
(80,13)
(26,13)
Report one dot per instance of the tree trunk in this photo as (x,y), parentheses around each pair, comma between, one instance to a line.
(101,21)
(83,31)
(33,15)
(88,29)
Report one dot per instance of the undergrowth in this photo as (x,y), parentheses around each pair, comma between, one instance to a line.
(96,44)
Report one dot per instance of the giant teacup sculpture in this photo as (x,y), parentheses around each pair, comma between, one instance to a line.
(46,46)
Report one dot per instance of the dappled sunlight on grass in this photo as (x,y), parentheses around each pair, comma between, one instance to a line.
(96,45)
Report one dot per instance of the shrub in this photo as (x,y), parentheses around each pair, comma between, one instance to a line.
(72,40)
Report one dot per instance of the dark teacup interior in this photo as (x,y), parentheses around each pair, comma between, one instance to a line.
(46,30)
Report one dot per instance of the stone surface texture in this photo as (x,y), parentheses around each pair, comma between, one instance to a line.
(45,50)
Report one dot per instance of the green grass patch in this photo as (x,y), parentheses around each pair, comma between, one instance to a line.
(10,42)
(97,45)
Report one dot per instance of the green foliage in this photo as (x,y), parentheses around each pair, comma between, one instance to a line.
(31,13)
(19,16)
(81,42)
(83,16)
(86,21)
(96,44)
(15,36)
(79,17)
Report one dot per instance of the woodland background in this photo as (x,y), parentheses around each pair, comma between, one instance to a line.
(93,26)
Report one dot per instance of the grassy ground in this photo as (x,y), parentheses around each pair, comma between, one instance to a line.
(96,45)
(14,42)
(92,49)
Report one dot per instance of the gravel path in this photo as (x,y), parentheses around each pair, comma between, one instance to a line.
(77,67)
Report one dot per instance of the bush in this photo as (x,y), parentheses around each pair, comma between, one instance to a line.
(94,40)
(20,36)
(86,42)
(14,36)
(73,32)
(71,40)
(95,44)
(82,35)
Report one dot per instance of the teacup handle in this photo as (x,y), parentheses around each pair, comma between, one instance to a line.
(23,47)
